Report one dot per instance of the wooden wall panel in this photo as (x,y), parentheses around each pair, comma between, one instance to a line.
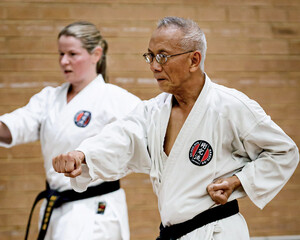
(253,46)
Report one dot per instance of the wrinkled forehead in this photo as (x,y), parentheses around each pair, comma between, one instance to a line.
(166,39)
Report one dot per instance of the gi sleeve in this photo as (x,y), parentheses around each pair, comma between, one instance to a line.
(274,159)
(122,103)
(24,123)
(119,149)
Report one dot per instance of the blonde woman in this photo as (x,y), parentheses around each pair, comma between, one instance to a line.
(61,118)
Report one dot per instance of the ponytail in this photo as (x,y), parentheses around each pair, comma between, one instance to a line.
(101,64)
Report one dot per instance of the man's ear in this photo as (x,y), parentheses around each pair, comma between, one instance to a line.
(97,54)
(195,61)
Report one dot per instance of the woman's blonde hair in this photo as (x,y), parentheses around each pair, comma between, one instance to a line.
(90,38)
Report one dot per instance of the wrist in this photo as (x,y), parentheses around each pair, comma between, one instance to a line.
(81,156)
(235,182)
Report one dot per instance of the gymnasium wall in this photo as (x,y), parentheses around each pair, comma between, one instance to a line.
(253,46)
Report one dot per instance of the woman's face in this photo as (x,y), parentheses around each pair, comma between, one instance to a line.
(76,63)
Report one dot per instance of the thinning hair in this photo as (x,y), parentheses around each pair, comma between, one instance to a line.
(194,37)
(90,37)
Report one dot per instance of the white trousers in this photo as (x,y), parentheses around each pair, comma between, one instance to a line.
(231,228)
(79,220)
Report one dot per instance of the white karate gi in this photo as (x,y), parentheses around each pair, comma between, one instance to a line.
(49,118)
(237,136)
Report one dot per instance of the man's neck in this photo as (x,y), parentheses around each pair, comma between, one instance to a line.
(187,97)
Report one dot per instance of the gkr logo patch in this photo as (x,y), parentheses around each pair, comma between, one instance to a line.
(82,118)
(201,153)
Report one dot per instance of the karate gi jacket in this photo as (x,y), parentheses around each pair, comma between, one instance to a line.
(61,127)
(226,133)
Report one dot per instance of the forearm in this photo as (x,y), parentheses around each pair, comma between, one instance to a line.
(5,135)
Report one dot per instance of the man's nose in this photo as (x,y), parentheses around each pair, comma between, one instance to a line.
(155,66)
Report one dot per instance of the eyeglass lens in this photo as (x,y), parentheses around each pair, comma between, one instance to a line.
(160,58)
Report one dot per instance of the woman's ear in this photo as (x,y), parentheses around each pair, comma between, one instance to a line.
(195,61)
(97,54)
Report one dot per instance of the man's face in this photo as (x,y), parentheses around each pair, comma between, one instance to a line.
(172,75)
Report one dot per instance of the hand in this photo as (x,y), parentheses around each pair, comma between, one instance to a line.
(69,164)
(5,134)
(221,189)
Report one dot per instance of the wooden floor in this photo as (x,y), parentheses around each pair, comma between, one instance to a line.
(277,238)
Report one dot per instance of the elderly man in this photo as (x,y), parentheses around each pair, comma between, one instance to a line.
(203,145)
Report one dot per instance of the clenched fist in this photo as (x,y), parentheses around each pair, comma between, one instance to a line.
(221,189)
(69,164)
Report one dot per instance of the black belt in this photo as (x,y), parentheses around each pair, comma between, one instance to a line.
(55,199)
(211,215)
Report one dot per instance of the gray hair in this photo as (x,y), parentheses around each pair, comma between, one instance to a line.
(90,38)
(193,37)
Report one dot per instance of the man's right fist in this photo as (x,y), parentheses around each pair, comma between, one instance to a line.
(69,163)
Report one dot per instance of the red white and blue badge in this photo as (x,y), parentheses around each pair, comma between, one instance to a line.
(101,207)
(82,118)
(201,153)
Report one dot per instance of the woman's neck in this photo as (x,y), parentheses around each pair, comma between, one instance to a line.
(74,88)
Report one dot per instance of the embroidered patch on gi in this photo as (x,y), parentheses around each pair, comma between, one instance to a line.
(101,207)
(82,118)
(201,153)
